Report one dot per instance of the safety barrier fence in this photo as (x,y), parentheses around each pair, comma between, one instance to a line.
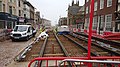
(78,61)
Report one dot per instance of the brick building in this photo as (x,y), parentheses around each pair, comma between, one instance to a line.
(73,11)
(104,15)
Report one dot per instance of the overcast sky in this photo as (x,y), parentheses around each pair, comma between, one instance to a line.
(52,9)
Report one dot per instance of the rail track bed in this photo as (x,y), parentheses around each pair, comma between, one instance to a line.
(71,45)
(94,49)
(48,47)
(72,48)
(52,48)
(110,47)
(34,51)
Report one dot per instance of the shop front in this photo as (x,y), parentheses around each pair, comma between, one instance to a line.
(7,21)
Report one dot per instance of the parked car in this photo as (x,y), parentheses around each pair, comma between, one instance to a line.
(22,32)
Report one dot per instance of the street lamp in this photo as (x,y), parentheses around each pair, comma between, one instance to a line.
(42,20)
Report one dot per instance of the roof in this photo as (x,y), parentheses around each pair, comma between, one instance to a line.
(29,4)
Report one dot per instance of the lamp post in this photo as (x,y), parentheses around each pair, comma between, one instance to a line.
(42,21)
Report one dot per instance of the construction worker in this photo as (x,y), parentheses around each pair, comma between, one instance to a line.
(41,30)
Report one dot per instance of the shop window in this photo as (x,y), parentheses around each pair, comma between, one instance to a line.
(2,24)
(9,25)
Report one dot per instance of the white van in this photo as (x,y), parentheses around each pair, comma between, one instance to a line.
(21,32)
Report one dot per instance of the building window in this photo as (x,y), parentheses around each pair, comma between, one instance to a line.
(87,10)
(86,23)
(0,5)
(108,20)
(10,0)
(101,4)
(101,22)
(19,3)
(2,24)
(95,6)
(14,1)
(9,25)
(14,10)
(87,0)
(3,7)
(95,23)
(19,12)
(10,9)
(109,3)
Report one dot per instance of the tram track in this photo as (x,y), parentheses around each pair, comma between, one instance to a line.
(52,48)
(109,42)
(49,47)
(98,51)
(33,52)
(101,44)
(71,47)
(62,46)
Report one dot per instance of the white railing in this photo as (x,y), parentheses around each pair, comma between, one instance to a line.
(98,62)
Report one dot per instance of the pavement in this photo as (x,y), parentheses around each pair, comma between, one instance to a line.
(21,64)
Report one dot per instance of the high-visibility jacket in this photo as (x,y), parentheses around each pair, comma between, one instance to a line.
(40,30)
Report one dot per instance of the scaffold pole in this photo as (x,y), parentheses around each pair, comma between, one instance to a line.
(90,30)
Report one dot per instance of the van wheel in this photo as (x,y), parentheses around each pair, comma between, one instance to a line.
(27,38)
(13,40)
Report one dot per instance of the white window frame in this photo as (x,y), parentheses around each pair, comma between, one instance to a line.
(102,21)
(101,4)
(95,6)
(95,23)
(87,0)
(87,10)
(108,20)
(86,25)
(109,3)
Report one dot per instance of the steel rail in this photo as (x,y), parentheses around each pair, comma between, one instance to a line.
(41,53)
(94,54)
(100,39)
(63,48)
(43,50)
(109,50)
